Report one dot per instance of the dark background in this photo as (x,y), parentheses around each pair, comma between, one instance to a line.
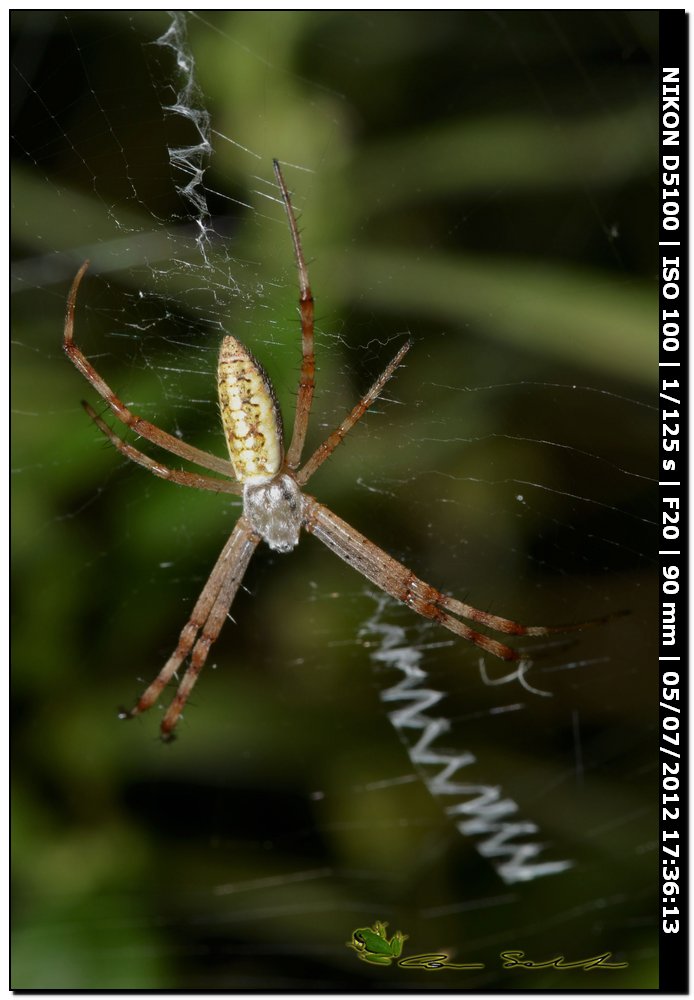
(485,182)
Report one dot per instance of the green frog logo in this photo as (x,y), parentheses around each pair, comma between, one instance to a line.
(372,945)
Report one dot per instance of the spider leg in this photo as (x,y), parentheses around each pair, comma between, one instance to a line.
(142,427)
(510,627)
(208,615)
(398,581)
(308,358)
(328,446)
(210,632)
(178,476)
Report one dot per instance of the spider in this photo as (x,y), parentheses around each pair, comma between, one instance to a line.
(271,482)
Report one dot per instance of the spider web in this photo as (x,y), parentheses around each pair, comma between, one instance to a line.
(483,183)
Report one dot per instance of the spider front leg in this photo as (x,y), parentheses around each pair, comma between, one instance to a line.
(208,615)
(402,584)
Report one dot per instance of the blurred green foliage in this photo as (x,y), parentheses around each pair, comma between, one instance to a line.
(485,181)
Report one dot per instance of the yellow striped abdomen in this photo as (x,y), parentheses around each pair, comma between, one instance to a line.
(250,414)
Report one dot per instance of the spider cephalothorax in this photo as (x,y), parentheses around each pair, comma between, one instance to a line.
(274,506)
(275,511)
